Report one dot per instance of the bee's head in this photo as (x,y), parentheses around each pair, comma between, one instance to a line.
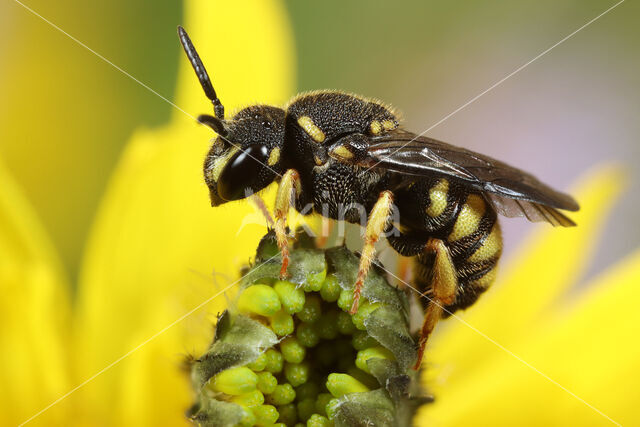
(245,157)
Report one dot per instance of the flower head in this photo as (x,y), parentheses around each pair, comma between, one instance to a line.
(289,351)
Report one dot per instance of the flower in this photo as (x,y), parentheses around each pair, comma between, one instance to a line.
(110,355)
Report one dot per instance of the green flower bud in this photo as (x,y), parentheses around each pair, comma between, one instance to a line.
(296,373)
(288,414)
(248,418)
(292,297)
(362,340)
(331,289)
(307,335)
(258,364)
(292,350)
(369,353)
(345,324)
(274,361)
(364,311)
(317,420)
(314,281)
(253,398)
(311,310)
(341,384)
(283,394)
(281,323)
(265,415)
(332,407)
(259,299)
(345,300)
(234,381)
(266,382)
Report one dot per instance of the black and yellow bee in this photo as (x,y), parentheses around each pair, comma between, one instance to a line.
(334,150)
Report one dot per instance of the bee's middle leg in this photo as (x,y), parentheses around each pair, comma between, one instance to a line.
(288,189)
(376,225)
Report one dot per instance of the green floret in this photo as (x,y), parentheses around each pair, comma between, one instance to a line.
(282,323)
(311,310)
(259,299)
(283,394)
(362,340)
(345,300)
(314,281)
(265,414)
(275,361)
(364,311)
(266,382)
(259,364)
(341,384)
(330,289)
(291,296)
(307,335)
(317,420)
(234,381)
(296,373)
(292,350)
(344,323)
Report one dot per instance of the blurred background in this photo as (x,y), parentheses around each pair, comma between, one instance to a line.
(571,109)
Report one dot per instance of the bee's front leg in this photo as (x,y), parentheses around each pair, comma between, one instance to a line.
(289,190)
(376,224)
(444,287)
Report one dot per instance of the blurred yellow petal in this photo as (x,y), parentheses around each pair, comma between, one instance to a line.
(545,267)
(34,312)
(157,240)
(65,113)
(589,348)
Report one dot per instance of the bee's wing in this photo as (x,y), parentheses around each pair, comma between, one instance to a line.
(512,191)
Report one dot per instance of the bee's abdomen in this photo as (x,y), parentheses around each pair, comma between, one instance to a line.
(464,222)
(475,244)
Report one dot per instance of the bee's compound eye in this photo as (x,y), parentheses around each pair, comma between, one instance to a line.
(243,172)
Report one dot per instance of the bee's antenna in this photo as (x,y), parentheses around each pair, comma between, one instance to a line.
(201,72)
(214,123)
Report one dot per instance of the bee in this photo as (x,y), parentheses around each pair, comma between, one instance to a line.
(332,150)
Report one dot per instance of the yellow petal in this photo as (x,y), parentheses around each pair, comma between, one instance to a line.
(157,241)
(34,312)
(65,113)
(589,348)
(546,266)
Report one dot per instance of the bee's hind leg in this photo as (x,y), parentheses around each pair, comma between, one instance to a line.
(288,190)
(443,288)
(376,225)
